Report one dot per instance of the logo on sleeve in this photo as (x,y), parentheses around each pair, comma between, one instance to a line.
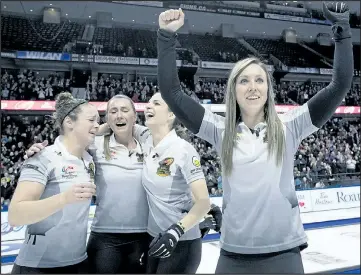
(164,167)
(31,166)
(196,162)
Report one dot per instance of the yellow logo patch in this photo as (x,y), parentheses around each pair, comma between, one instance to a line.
(196,162)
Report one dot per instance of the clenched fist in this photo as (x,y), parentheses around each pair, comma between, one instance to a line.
(336,12)
(171,20)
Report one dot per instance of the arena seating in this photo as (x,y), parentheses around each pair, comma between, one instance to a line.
(329,156)
(17,34)
(289,53)
(137,40)
(326,51)
(210,47)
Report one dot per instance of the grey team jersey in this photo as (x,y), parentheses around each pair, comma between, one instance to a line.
(260,207)
(122,205)
(168,171)
(60,239)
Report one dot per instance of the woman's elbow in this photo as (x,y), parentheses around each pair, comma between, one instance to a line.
(205,204)
(13,218)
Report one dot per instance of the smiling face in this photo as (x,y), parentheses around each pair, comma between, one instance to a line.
(252,89)
(121,116)
(157,112)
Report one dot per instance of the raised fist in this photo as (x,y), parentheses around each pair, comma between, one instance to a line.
(336,12)
(171,20)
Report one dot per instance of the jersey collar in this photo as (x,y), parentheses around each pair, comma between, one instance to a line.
(59,145)
(114,144)
(259,127)
(165,142)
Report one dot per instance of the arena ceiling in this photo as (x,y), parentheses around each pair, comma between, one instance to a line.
(78,9)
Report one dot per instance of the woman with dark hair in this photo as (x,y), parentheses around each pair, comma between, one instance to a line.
(54,193)
(177,193)
(118,237)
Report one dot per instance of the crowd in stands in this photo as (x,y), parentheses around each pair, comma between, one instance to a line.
(323,158)
(331,155)
(25,85)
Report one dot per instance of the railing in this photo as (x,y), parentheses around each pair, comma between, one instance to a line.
(331,181)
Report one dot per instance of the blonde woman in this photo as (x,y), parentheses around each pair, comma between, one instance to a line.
(261,230)
(119,237)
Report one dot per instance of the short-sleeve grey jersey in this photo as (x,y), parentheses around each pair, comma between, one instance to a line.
(60,239)
(260,207)
(169,169)
(122,205)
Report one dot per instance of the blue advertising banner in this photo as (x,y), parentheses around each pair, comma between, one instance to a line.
(43,55)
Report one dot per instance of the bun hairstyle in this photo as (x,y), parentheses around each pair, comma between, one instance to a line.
(66,105)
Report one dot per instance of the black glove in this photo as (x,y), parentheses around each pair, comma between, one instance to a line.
(164,244)
(207,224)
(339,15)
(216,213)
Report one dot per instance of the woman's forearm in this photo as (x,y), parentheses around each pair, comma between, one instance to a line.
(196,214)
(29,212)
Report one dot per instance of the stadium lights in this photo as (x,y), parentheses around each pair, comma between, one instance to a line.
(4,7)
(66,14)
(112,18)
(133,20)
(31,10)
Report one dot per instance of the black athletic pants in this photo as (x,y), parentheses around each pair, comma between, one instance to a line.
(117,253)
(185,259)
(288,261)
(80,268)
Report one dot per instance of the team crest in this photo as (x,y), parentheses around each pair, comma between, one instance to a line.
(164,167)
(196,162)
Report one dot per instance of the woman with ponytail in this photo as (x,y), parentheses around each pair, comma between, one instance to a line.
(54,193)
(177,193)
(118,241)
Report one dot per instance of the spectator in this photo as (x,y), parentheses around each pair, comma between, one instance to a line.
(350,165)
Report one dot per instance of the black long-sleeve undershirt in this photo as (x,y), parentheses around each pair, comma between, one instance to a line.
(322,106)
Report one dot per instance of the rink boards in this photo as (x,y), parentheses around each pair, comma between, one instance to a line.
(334,244)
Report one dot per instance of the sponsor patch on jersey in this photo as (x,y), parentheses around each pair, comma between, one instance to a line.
(164,167)
(196,162)
(68,172)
